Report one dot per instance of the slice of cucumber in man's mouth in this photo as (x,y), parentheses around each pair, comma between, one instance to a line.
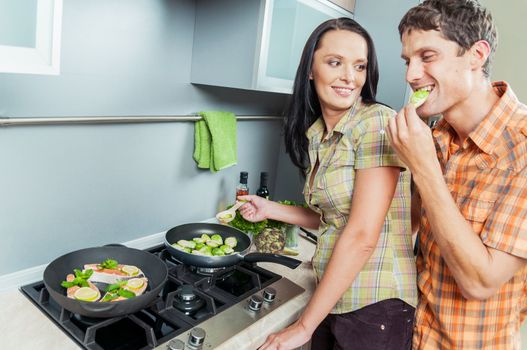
(419,97)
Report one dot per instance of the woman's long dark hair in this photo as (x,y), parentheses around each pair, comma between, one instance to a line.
(304,107)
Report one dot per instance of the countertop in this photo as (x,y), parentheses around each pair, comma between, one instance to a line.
(23,326)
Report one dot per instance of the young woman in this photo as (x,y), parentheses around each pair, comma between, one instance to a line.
(358,194)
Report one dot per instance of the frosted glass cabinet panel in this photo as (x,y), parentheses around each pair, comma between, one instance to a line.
(30,33)
(254,44)
(289,24)
(18,20)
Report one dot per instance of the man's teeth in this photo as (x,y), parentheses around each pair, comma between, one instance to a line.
(426,88)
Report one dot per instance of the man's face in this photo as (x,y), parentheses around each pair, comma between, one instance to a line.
(433,64)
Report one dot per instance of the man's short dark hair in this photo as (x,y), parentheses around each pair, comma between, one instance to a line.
(462,21)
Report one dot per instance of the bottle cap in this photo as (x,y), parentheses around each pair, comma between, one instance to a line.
(243,177)
(263,178)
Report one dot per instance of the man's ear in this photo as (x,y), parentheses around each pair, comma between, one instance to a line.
(310,75)
(479,52)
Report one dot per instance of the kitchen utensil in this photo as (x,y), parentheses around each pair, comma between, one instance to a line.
(228,215)
(308,235)
(153,268)
(190,231)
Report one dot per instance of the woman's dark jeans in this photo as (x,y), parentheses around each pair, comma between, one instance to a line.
(387,325)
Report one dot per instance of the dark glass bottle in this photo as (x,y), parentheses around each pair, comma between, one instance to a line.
(242,189)
(263,191)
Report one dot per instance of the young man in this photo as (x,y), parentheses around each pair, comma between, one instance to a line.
(471,174)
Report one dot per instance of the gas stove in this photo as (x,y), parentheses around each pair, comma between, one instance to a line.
(198,309)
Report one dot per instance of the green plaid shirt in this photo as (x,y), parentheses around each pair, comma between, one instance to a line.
(359,141)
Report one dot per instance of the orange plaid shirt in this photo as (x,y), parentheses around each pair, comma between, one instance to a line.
(487,177)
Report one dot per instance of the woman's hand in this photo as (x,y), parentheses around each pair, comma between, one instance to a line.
(291,337)
(256,209)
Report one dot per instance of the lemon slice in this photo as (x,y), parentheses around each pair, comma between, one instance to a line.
(86,294)
(130,270)
(135,283)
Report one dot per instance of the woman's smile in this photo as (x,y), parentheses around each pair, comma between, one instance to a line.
(343,91)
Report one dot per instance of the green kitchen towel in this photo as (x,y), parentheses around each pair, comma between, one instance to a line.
(215,141)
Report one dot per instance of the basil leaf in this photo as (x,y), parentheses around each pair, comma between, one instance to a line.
(113,287)
(108,264)
(81,279)
(67,284)
(110,297)
(86,274)
(126,293)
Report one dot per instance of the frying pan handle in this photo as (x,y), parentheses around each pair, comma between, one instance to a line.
(91,307)
(273,258)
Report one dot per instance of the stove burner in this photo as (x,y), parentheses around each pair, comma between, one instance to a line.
(84,321)
(187,301)
(190,298)
(206,271)
(219,273)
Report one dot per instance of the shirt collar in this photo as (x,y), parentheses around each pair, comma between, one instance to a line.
(488,132)
(318,127)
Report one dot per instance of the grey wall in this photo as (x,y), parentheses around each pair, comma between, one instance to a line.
(509,55)
(381,19)
(64,188)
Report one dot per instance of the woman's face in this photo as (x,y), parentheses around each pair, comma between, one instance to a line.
(339,70)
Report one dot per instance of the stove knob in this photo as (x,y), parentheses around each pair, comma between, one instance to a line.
(196,338)
(255,303)
(269,294)
(176,344)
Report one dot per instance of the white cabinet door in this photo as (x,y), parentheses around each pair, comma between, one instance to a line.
(30,34)
(346,4)
(254,44)
(287,26)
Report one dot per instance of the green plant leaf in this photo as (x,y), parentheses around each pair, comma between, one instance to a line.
(108,264)
(110,296)
(126,293)
(116,286)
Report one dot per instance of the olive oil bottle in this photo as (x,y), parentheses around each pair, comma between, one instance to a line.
(263,191)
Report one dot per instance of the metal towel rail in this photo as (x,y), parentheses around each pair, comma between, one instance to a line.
(7,121)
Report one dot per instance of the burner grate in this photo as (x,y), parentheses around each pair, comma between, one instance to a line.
(162,321)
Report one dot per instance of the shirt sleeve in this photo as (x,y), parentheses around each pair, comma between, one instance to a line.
(506,227)
(372,147)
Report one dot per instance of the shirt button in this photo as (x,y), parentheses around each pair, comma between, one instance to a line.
(382,327)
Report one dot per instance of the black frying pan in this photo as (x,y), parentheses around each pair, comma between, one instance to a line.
(189,231)
(153,268)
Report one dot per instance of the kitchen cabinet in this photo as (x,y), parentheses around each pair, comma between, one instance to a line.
(348,5)
(254,44)
(30,34)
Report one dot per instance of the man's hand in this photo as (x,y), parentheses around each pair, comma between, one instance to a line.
(412,140)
